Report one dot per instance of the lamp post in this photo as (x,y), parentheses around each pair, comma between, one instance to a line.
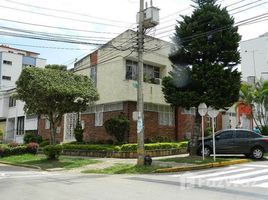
(202,110)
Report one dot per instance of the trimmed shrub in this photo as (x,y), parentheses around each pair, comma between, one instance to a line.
(153,146)
(52,151)
(78,132)
(208,131)
(30,137)
(32,147)
(13,144)
(9,151)
(118,127)
(44,143)
(156,139)
(90,147)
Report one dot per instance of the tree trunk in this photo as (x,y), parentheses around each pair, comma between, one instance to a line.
(195,135)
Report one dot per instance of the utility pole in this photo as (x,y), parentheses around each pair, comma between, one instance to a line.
(140,121)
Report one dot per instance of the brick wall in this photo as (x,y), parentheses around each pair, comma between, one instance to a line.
(45,133)
(152,128)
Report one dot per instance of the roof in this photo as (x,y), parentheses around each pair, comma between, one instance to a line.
(8,47)
(106,44)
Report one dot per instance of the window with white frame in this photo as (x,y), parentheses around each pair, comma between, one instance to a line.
(151,73)
(7,62)
(166,114)
(99,118)
(20,125)
(93,74)
(71,119)
(47,123)
(12,102)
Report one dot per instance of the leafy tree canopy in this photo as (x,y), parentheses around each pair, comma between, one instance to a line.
(58,67)
(53,93)
(204,56)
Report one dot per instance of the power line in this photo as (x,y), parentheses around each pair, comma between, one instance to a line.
(245,5)
(48,38)
(57,27)
(65,11)
(61,17)
(44,47)
(206,22)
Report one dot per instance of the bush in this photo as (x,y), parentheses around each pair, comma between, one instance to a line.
(9,151)
(1,134)
(90,147)
(78,132)
(44,143)
(32,147)
(154,146)
(156,139)
(264,130)
(52,151)
(118,127)
(13,144)
(30,137)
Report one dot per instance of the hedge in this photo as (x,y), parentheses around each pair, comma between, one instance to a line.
(90,147)
(125,147)
(6,150)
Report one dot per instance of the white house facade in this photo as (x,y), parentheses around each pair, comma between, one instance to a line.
(13,120)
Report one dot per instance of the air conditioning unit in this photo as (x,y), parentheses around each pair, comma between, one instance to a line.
(158,81)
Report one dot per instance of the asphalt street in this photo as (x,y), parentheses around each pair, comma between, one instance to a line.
(246,181)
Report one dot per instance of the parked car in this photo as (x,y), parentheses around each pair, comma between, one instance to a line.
(236,141)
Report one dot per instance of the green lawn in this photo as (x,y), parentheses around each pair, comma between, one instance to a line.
(197,159)
(43,163)
(125,169)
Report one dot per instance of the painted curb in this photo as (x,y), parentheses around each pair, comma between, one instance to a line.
(202,166)
(21,165)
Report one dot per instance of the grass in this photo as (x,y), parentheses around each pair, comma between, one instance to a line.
(43,163)
(197,159)
(125,169)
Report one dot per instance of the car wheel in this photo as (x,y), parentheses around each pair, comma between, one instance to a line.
(257,153)
(207,151)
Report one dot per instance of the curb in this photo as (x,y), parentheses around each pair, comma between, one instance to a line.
(21,165)
(202,166)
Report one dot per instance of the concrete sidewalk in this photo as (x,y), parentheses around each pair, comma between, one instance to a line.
(109,162)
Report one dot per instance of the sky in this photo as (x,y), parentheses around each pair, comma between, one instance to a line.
(98,21)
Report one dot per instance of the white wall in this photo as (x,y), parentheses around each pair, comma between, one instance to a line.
(254,52)
(111,71)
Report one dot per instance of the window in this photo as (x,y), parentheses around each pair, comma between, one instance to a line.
(71,119)
(8,78)
(47,124)
(93,74)
(166,116)
(227,135)
(12,102)
(99,118)
(7,62)
(20,126)
(242,134)
(151,73)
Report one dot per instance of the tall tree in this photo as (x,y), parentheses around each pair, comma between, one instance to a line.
(204,56)
(53,93)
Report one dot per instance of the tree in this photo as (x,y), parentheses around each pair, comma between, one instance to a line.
(57,67)
(256,96)
(204,59)
(53,93)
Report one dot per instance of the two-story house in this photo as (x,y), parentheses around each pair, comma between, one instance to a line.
(13,120)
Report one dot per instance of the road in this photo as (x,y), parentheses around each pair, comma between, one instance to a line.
(246,181)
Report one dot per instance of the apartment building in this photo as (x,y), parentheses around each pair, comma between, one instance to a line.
(13,120)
